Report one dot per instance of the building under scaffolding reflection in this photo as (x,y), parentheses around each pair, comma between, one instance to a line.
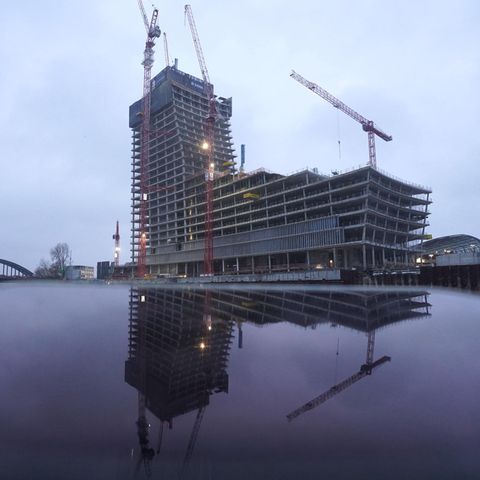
(184,358)
(177,358)
(179,340)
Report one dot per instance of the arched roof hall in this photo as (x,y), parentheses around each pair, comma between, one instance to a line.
(452,244)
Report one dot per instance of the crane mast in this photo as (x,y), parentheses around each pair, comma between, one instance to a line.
(193,437)
(367,125)
(116,254)
(207,146)
(153,32)
(138,307)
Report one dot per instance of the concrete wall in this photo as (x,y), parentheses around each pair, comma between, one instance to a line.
(458,259)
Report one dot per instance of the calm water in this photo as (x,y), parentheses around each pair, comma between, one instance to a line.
(110,382)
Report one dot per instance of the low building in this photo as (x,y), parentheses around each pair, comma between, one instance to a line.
(104,270)
(79,272)
(458,249)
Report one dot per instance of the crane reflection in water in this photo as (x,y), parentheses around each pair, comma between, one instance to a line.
(180,340)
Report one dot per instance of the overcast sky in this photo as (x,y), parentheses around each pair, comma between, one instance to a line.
(70,70)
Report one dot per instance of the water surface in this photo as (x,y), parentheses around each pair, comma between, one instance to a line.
(285,382)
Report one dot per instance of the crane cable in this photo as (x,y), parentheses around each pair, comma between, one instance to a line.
(338,136)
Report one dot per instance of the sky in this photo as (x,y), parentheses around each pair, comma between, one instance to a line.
(70,70)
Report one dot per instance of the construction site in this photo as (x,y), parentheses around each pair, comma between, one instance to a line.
(197,211)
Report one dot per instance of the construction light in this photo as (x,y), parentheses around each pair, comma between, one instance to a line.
(212,165)
(205,145)
(202,346)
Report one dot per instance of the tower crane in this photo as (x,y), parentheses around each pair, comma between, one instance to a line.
(116,254)
(153,32)
(208,144)
(365,369)
(367,125)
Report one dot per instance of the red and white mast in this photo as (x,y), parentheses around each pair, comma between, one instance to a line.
(116,254)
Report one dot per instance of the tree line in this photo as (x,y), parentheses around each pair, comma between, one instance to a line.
(60,258)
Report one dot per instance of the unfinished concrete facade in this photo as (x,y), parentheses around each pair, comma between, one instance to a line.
(179,106)
(266,222)
(263,222)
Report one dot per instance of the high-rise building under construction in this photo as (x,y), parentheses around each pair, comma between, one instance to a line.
(179,106)
(262,221)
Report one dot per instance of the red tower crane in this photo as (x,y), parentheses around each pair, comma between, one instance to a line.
(116,254)
(367,125)
(208,145)
(153,32)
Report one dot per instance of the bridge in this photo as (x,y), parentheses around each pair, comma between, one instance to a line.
(10,270)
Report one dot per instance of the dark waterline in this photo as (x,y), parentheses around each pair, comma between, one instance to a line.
(73,359)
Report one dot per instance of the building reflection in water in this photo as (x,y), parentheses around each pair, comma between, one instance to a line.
(177,358)
(179,342)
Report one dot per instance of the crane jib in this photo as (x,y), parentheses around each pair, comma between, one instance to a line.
(367,125)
